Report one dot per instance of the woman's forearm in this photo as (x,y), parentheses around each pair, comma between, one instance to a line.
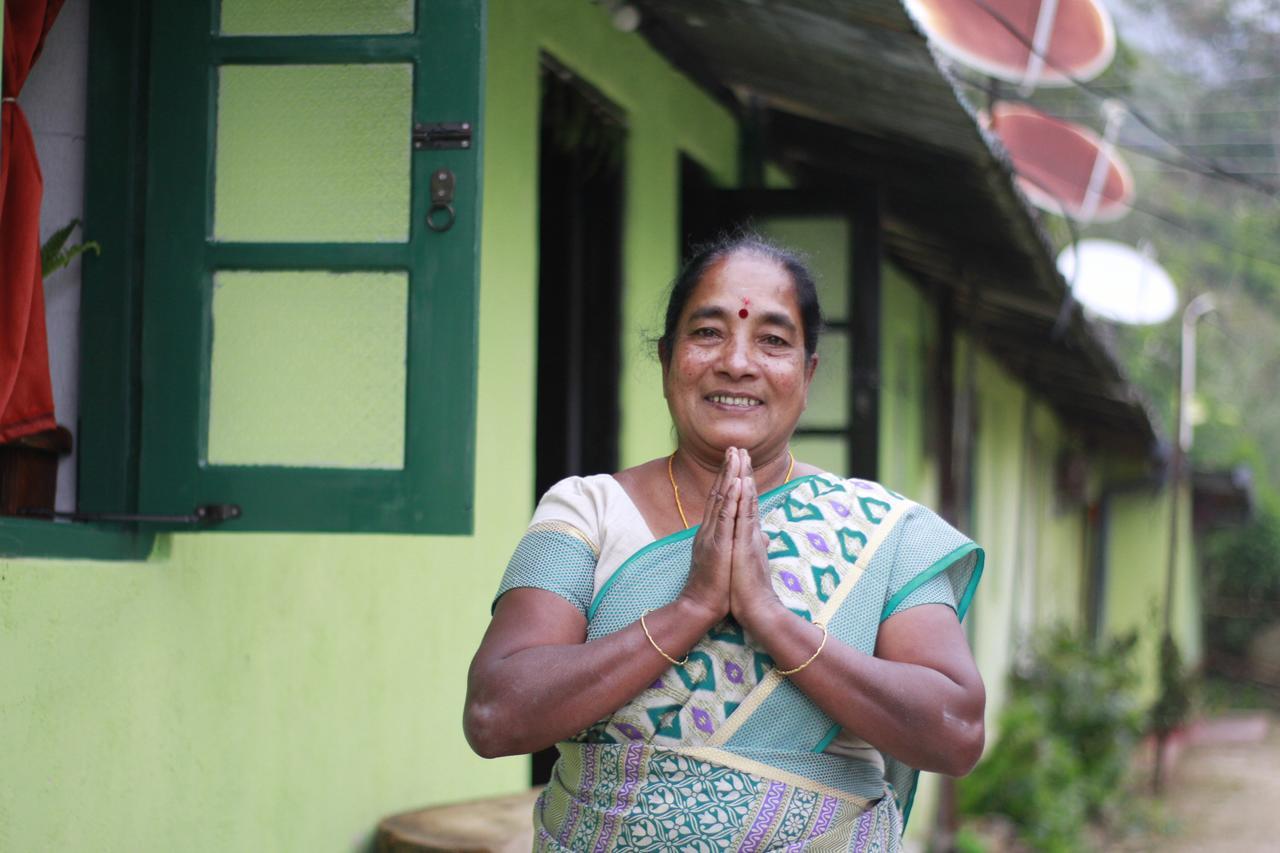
(916,713)
(523,699)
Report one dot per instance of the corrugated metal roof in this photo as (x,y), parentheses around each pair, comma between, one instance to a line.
(850,89)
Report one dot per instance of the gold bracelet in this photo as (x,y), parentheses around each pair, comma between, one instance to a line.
(814,657)
(658,647)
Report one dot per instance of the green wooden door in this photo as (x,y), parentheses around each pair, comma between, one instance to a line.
(309,342)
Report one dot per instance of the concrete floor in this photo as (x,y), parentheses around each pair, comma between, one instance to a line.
(1224,793)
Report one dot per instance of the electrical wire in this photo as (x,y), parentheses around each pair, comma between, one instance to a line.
(1172,221)
(1208,164)
(1146,151)
(1166,218)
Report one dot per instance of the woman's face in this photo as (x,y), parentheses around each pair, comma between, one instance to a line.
(737,374)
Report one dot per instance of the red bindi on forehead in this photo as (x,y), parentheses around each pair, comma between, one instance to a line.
(743,312)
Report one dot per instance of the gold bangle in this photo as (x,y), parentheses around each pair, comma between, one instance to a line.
(814,657)
(658,647)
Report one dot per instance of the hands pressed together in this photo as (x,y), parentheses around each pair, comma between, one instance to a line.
(730,568)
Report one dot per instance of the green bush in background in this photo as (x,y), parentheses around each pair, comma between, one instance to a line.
(1066,737)
(1241,587)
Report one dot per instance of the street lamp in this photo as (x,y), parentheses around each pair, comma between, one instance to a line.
(1171,704)
(1191,315)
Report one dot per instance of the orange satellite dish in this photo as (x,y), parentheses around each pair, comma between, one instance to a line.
(1059,38)
(1061,166)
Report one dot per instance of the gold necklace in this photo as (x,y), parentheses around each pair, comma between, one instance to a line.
(675,490)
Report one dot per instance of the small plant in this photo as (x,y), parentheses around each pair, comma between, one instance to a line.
(1066,737)
(1172,705)
(56,254)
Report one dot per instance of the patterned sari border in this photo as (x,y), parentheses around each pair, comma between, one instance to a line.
(631,779)
(939,566)
(724,758)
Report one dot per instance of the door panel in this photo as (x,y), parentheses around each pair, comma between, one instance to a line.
(315,17)
(313,153)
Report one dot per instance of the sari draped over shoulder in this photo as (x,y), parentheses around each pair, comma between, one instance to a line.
(723,753)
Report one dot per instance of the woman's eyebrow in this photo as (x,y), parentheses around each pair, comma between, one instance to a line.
(708,312)
(777,318)
(715,312)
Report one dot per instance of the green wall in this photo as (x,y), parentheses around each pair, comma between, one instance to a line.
(998,511)
(1061,548)
(1137,565)
(284,692)
(908,329)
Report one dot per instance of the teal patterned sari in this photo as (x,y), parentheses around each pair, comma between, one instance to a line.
(723,753)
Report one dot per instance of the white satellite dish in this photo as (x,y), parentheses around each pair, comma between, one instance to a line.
(1118,283)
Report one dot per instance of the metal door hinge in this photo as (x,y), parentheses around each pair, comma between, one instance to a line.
(445,134)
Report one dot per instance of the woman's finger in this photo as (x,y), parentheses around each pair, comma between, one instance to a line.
(747,522)
(715,498)
(725,528)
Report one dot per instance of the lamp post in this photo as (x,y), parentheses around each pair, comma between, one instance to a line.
(1191,315)
(1171,703)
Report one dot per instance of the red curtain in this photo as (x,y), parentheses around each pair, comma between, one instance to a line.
(26,392)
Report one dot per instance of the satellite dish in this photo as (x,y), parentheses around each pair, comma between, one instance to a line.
(1063,167)
(1076,37)
(1118,282)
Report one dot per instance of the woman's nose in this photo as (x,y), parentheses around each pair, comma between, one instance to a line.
(736,357)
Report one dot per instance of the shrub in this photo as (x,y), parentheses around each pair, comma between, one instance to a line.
(1066,737)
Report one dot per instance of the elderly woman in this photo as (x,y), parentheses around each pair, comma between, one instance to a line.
(767,678)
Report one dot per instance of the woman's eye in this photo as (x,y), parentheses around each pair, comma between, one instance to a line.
(706,333)
(775,341)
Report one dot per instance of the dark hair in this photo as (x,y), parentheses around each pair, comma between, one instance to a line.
(709,254)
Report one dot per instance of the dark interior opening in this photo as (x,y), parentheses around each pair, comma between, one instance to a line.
(699,222)
(580,209)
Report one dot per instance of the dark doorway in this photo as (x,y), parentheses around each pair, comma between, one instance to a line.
(580,203)
(698,210)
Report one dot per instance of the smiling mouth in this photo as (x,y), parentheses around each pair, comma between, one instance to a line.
(734,400)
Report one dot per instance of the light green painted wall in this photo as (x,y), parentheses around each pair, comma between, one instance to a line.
(1060,548)
(1137,563)
(996,516)
(908,329)
(284,692)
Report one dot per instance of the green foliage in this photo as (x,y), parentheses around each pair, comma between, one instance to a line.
(1066,736)
(967,841)
(1173,702)
(55,254)
(1242,582)
(1031,777)
(1218,694)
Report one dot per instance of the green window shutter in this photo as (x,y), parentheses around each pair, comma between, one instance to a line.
(308,342)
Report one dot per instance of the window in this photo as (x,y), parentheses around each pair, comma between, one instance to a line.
(273,323)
